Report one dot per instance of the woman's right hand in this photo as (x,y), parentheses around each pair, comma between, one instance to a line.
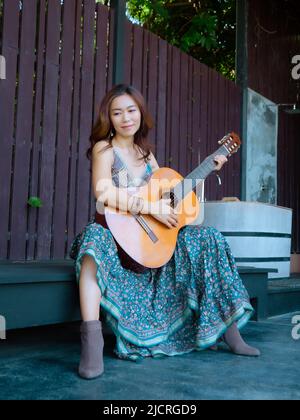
(163,212)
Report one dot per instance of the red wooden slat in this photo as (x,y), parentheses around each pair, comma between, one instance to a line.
(7,106)
(229,167)
(237,157)
(101,57)
(73,179)
(204,122)
(221,108)
(145,65)
(289,190)
(228,191)
(153,81)
(162,104)
(196,95)
(291,152)
(190,114)
(215,105)
(63,133)
(168,159)
(86,116)
(127,52)
(101,73)
(297,177)
(212,98)
(23,134)
(230,125)
(110,49)
(175,110)
(35,153)
(49,123)
(203,111)
(183,115)
(137,59)
(211,184)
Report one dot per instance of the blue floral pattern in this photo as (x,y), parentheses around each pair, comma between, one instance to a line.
(183,306)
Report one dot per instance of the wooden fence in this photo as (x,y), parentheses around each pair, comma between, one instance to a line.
(59,65)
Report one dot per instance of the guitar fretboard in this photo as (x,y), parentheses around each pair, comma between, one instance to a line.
(191,181)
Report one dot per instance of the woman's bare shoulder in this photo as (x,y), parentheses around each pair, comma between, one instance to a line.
(101,147)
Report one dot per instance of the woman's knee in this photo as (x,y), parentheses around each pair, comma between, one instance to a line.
(212,232)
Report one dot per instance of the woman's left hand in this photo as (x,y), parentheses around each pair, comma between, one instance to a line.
(220,160)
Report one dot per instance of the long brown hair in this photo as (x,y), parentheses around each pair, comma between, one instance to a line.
(104,129)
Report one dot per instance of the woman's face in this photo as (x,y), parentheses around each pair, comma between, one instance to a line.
(125,115)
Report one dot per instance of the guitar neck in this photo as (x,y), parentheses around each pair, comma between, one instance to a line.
(193,180)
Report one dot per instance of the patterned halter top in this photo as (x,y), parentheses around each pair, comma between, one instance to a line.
(122,177)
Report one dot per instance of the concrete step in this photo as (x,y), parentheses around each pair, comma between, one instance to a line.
(284,295)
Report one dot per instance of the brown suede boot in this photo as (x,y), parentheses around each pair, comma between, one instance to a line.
(92,343)
(237,345)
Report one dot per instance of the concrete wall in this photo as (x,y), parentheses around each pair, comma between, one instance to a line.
(261,153)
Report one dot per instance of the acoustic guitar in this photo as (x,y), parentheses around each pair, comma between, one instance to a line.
(144,239)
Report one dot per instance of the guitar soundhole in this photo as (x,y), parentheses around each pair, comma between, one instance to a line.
(170,194)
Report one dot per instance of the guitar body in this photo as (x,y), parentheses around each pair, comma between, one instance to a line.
(134,239)
(144,239)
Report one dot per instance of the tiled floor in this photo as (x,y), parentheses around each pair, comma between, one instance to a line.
(41,363)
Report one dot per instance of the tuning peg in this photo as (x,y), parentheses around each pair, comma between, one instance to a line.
(223,140)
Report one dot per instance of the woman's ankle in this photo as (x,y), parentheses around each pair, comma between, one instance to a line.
(237,345)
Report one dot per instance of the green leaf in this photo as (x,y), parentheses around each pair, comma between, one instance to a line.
(35,202)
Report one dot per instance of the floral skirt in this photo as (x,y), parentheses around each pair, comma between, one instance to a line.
(183,306)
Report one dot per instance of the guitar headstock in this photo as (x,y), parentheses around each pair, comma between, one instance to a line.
(231,142)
